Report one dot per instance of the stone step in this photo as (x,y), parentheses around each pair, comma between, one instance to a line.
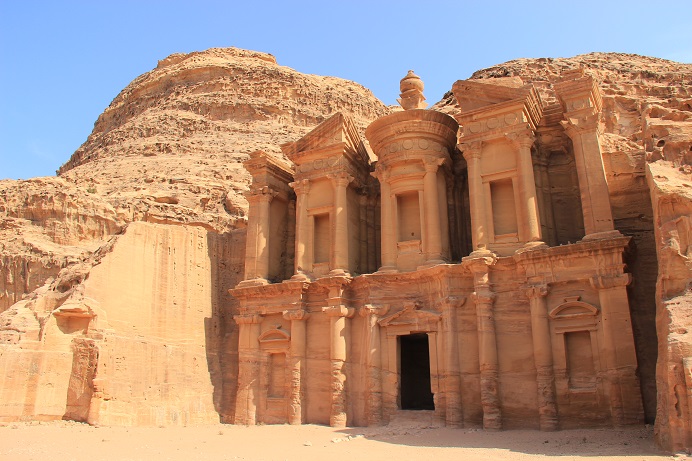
(414,418)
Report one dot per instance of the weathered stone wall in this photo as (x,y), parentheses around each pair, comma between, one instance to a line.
(158,347)
(671,194)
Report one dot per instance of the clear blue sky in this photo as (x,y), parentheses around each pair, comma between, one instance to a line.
(62,62)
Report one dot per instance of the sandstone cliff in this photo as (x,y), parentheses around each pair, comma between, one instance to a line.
(168,151)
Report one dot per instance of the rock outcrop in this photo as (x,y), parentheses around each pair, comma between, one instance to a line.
(671,195)
(168,150)
(113,303)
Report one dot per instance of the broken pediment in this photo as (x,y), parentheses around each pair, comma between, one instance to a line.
(414,317)
(336,130)
(475,94)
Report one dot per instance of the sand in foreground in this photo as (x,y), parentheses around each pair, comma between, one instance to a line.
(65,440)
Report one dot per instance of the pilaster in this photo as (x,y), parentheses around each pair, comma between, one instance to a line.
(337,313)
(581,101)
(472,154)
(432,212)
(530,225)
(483,297)
(256,246)
(388,240)
(249,360)
(340,254)
(452,374)
(618,350)
(298,318)
(543,357)
(301,189)
(373,363)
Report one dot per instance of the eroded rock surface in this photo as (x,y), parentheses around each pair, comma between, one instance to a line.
(168,151)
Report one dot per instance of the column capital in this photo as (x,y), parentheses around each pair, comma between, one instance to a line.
(296,314)
(247,319)
(338,311)
(604,282)
(471,150)
(536,291)
(521,139)
(376,310)
(483,297)
(301,187)
(453,302)
(432,164)
(479,264)
(265,193)
(340,179)
(576,125)
(381,172)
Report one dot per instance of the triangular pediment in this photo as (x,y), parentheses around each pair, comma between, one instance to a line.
(412,315)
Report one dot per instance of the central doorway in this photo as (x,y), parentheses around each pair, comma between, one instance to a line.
(414,355)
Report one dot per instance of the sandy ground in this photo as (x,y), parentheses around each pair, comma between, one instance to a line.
(65,440)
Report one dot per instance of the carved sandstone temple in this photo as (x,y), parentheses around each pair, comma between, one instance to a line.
(467,267)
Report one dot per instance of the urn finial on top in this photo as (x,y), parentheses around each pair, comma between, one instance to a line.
(411,88)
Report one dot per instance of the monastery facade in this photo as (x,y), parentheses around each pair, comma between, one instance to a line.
(467,266)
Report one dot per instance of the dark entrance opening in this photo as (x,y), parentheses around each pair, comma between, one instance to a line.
(415,373)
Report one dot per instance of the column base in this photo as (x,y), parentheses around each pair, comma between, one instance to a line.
(253,283)
(431,263)
(339,273)
(301,277)
(602,235)
(530,246)
(387,270)
(479,253)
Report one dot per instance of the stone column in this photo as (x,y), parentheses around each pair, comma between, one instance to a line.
(452,374)
(593,187)
(487,350)
(388,239)
(302,227)
(340,248)
(472,154)
(530,225)
(337,355)
(249,359)
(373,364)
(432,212)
(484,298)
(618,349)
(256,248)
(545,207)
(298,319)
(543,357)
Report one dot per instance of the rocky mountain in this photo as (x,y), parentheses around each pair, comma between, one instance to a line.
(141,233)
(168,149)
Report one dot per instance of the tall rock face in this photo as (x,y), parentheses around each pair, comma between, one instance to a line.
(113,297)
(671,194)
(117,270)
(169,147)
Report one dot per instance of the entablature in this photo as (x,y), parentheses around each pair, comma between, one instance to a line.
(495,121)
(578,94)
(269,171)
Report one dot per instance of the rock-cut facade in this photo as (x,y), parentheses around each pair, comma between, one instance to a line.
(465,267)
